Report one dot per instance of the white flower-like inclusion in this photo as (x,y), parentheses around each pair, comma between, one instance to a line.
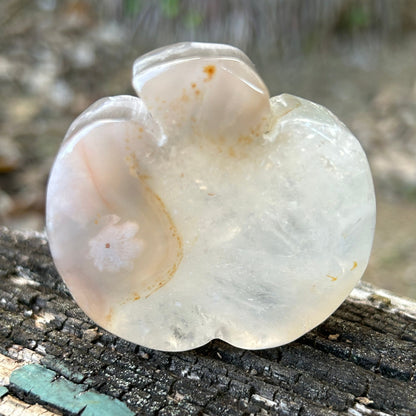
(204,209)
(114,247)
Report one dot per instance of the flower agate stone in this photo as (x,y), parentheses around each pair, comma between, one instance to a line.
(204,209)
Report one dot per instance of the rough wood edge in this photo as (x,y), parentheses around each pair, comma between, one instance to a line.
(367,294)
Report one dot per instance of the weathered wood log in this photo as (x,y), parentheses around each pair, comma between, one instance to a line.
(54,360)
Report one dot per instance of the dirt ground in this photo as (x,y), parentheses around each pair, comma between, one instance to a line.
(57,58)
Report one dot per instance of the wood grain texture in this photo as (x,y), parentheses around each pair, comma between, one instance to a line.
(10,406)
(360,361)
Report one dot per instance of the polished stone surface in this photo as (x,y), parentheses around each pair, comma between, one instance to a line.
(179,217)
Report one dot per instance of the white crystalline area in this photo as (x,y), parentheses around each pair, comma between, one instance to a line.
(273,242)
(273,233)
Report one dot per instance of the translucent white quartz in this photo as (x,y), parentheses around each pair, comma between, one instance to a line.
(184,216)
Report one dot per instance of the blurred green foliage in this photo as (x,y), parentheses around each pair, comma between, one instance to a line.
(355,17)
(132,8)
(193,19)
(189,16)
(170,8)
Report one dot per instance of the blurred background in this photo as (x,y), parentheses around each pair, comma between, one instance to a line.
(358,58)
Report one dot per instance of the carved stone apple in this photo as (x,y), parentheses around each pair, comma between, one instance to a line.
(204,209)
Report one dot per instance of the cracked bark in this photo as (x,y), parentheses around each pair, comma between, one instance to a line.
(361,360)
